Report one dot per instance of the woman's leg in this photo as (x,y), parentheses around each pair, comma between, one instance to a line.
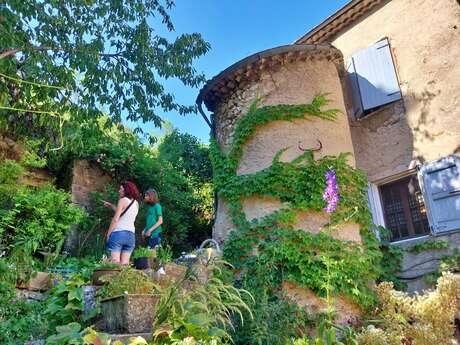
(128,247)
(115,257)
(125,258)
(114,246)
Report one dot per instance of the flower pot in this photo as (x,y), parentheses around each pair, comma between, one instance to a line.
(142,263)
(97,274)
(129,313)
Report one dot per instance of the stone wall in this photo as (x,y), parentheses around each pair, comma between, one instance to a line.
(294,83)
(87,177)
(424,36)
(13,150)
(414,266)
(425,124)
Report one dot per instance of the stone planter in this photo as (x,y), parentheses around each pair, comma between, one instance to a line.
(129,313)
(97,274)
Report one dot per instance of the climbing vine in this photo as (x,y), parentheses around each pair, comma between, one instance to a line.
(299,256)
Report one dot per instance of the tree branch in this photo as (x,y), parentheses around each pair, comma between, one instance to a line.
(10,52)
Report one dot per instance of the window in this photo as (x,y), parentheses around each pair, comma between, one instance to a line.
(373,78)
(441,185)
(404,209)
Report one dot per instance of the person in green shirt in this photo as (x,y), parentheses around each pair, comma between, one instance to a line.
(153,228)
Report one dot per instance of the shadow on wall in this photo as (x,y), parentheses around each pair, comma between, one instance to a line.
(383,139)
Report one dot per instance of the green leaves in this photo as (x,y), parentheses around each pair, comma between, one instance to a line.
(107,53)
(273,241)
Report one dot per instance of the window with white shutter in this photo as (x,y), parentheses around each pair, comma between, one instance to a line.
(373,78)
(441,186)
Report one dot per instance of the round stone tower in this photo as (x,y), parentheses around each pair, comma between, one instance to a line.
(292,74)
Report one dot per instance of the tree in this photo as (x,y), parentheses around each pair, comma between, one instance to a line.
(187,155)
(94,55)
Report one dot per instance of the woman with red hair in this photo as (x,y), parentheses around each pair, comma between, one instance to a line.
(120,236)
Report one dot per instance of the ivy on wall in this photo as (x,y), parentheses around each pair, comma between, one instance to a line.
(299,256)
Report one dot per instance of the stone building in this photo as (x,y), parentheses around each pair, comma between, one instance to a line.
(403,103)
(392,66)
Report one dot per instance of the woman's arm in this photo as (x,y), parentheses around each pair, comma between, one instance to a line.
(116,217)
(154,226)
(110,205)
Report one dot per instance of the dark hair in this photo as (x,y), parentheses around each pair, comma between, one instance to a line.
(154,194)
(131,190)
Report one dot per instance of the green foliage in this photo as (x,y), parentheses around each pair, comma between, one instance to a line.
(186,196)
(21,321)
(449,263)
(187,155)
(94,55)
(38,219)
(299,185)
(203,312)
(65,303)
(164,254)
(427,245)
(10,171)
(391,261)
(328,334)
(420,320)
(127,281)
(142,252)
(33,220)
(69,334)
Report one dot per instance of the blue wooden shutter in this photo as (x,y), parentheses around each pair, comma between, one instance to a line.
(375,75)
(441,185)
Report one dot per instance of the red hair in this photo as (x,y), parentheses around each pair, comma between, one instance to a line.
(131,190)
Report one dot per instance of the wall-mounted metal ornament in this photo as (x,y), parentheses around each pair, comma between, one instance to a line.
(320,146)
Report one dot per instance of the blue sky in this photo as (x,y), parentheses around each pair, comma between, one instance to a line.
(236,29)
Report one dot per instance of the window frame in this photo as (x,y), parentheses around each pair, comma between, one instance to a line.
(377,208)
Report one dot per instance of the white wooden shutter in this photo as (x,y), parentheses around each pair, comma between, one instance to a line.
(441,186)
(372,73)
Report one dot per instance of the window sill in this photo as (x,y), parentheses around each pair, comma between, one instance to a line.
(412,239)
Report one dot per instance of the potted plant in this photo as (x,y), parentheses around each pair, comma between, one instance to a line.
(141,258)
(103,269)
(128,302)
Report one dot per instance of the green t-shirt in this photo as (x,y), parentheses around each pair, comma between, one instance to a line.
(154,212)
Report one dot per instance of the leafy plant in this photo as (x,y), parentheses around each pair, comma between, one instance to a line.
(164,253)
(427,245)
(34,219)
(63,42)
(142,252)
(203,313)
(391,261)
(127,281)
(21,321)
(65,303)
(420,320)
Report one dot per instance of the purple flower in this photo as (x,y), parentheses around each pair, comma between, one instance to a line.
(331,192)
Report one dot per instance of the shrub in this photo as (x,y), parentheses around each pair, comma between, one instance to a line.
(421,320)
(127,281)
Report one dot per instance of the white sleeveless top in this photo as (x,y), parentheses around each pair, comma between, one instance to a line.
(126,221)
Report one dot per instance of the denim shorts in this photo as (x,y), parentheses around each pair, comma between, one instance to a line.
(121,241)
(154,241)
